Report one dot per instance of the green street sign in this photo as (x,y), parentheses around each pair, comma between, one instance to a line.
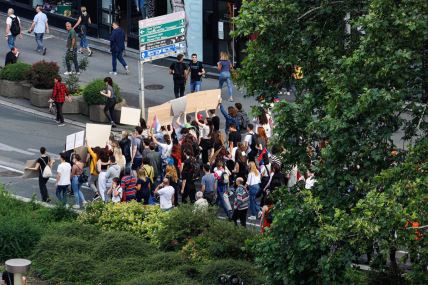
(161,36)
(162,27)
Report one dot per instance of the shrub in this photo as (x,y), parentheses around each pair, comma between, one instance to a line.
(92,95)
(162,278)
(222,240)
(163,260)
(15,72)
(246,271)
(42,74)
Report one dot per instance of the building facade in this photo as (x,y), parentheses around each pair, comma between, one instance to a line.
(209,21)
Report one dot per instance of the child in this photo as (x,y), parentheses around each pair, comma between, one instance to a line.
(115,190)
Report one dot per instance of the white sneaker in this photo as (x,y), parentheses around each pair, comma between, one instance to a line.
(126,69)
(113,73)
(67,73)
(253,218)
(230,99)
(76,207)
(84,203)
(259,215)
(67,206)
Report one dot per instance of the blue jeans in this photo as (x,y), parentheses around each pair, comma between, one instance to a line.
(11,41)
(75,186)
(254,207)
(220,200)
(61,193)
(83,41)
(117,55)
(39,41)
(225,77)
(195,86)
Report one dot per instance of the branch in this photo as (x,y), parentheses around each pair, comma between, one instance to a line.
(317,8)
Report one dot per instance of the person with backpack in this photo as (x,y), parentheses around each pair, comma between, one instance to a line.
(267,216)
(125,146)
(59,93)
(13,28)
(250,142)
(242,117)
(196,73)
(179,73)
(44,167)
(222,176)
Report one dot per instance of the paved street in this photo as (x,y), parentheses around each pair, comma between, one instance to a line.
(100,65)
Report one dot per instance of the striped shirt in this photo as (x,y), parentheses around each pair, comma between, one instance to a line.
(128,184)
(242,198)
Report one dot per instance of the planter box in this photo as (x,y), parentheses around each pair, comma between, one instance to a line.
(118,111)
(72,107)
(11,89)
(40,97)
(84,107)
(96,114)
(26,89)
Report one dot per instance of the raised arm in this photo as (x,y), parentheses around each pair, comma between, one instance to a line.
(77,23)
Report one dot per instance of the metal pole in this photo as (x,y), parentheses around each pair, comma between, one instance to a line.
(141,77)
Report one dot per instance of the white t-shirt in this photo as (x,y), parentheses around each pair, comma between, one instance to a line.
(252,179)
(204,131)
(64,169)
(166,150)
(40,21)
(165,195)
(118,198)
(9,22)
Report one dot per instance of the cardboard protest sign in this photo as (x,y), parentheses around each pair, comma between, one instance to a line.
(162,112)
(75,140)
(203,100)
(178,105)
(130,116)
(30,173)
(97,135)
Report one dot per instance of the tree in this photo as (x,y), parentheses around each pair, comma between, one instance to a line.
(359,92)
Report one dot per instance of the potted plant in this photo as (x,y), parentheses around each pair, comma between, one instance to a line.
(11,77)
(96,101)
(42,75)
(72,106)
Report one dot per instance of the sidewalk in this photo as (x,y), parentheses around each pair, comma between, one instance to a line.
(159,85)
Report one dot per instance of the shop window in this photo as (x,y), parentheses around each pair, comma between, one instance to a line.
(69,9)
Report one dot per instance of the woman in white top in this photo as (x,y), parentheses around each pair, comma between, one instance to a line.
(253,183)
(205,133)
(264,120)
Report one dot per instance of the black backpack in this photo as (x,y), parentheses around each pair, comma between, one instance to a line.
(15,29)
(243,120)
(253,143)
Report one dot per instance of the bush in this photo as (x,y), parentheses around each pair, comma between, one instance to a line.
(92,95)
(162,278)
(15,72)
(42,74)
(243,269)
(222,240)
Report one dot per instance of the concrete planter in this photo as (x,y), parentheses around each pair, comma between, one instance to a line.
(96,114)
(10,89)
(72,107)
(84,107)
(26,89)
(40,97)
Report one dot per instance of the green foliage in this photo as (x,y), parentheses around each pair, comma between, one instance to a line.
(72,83)
(15,72)
(42,74)
(92,95)
(162,278)
(355,89)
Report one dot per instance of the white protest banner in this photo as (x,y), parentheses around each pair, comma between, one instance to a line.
(97,135)
(75,140)
(130,116)
(162,112)
(203,100)
(178,105)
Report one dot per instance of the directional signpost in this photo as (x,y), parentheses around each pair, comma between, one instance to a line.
(160,37)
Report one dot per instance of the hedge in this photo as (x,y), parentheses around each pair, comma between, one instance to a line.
(15,72)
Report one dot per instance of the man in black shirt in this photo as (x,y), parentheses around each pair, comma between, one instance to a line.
(234,137)
(196,73)
(179,73)
(12,56)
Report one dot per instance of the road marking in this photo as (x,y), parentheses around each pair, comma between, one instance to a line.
(9,148)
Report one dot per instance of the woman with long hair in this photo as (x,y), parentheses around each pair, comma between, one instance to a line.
(253,183)
(76,171)
(262,139)
(110,101)
(172,175)
(143,187)
(188,188)
(264,119)
(224,66)
(120,158)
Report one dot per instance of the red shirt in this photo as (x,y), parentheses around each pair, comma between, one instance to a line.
(59,92)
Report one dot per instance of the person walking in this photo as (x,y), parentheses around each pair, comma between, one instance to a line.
(40,27)
(240,203)
(63,179)
(83,23)
(12,56)
(117,46)
(71,53)
(41,163)
(110,101)
(13,28)
(196,73)
(224,66)
(179,73)
(76,172)
(59,93)
(253,183)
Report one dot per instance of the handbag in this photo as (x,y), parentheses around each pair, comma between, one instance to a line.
(47,172)
(83,177)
